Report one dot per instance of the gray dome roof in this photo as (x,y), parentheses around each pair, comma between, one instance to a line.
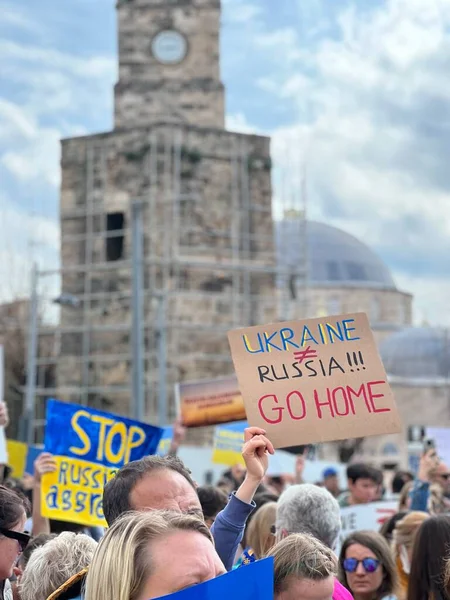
(335,258)
(417,353)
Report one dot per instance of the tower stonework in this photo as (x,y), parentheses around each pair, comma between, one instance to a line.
(205,195)
(169,64)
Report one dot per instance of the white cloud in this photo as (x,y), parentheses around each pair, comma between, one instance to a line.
(238,122)
(28,151)
(239,11)
(11,17)
(26,237)
(374,120)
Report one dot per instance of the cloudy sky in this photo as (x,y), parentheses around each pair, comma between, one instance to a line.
(361,87)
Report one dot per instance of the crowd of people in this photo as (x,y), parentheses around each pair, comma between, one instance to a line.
(166,534)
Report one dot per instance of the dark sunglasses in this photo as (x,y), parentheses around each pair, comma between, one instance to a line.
(22,538)
(370,564)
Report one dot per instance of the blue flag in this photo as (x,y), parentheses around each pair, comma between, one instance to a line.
(253,582)
(96,436)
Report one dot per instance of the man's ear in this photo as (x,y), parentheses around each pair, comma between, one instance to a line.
(17,572)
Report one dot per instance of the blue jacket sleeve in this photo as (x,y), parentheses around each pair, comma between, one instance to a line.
(419,495)
(228,529)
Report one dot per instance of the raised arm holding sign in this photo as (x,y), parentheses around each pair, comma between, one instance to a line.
(314,381)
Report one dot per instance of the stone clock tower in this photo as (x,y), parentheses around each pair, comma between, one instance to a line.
(203,196)
(169,67)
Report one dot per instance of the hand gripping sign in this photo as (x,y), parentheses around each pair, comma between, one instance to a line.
(314,381)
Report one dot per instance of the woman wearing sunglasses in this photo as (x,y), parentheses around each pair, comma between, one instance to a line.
(13,514)
(367,568)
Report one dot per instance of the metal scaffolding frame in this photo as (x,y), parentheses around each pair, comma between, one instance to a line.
(165,263)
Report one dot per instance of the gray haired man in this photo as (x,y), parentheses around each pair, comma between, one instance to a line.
(310,509)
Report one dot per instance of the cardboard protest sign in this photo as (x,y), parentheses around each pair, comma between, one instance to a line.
(250,582)
(365,516)
(210,402)
(90,446)
(17,457)
(314,381)
(228,442)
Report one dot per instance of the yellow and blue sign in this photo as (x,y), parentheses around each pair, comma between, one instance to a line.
(89,446)
(228,442)
(246,583)
(17,457)
(165,441)
(33,453)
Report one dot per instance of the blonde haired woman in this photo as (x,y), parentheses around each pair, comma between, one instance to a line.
(146,555)
(402,547)
(260,536)
(303,567)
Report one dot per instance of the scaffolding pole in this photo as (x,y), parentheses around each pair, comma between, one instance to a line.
(86,339)
(30,395)
(138,393)
(162,360)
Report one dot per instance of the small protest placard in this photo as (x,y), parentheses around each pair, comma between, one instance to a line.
(17,457)
(228,442)
(32,454)
(89,446)
(314,381)
(210,402)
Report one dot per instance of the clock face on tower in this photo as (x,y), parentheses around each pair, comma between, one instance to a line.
(169,47)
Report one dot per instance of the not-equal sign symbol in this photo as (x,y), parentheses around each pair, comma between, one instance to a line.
(355,360)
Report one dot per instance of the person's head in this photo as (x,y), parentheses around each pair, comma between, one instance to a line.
(35,543)
(151,554)
(387,529)
(13,541)
(260,534)
(307,508)
(404,535)
(331,481)
(260,499)
(399,480)
(154,482)
(366,566)
(363,482)
(277,484)
(303,568)
(54,563)
(212,500)
(238,473)
(57,526)
(447,577)
(431,548)
(441,475)
(404,501)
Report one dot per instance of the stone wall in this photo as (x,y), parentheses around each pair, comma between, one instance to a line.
(203,215)
(190,92)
